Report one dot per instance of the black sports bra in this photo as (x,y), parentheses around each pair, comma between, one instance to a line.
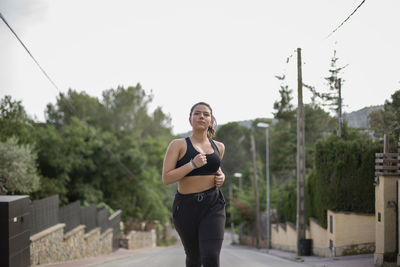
(213,159)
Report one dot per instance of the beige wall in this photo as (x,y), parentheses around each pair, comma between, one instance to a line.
(351,228)
(318,234)
(379,227)
(352,234)
(290,235)
(398,203)
(385,192)
(284,236)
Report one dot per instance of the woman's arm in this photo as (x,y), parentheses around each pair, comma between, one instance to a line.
(220,176)
(170,174)
(221,148)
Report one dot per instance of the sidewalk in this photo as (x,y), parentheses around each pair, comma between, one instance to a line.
(363,260)
(93,261)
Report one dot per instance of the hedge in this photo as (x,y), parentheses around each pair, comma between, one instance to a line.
(343,176)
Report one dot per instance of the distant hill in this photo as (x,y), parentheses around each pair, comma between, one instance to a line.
(359,118)
(355,119)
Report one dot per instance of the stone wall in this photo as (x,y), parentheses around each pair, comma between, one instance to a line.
(92,242)
(47,246)
(139,239)
(106,242)
(52,245)
(73,245)
(365,248)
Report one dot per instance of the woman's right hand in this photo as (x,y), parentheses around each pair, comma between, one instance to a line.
(200,160)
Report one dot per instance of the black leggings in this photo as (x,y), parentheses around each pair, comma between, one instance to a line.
(199,219)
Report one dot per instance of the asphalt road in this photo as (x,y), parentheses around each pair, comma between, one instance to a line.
(231,256)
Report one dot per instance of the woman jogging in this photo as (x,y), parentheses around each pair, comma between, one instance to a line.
(198,210)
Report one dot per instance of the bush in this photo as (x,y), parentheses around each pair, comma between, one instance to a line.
(18,173)
(343,176)
(341,179)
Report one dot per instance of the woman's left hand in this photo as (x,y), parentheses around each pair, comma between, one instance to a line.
(219,178)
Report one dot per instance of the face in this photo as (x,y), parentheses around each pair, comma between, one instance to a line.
(201,117)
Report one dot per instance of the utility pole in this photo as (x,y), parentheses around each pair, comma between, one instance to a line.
(255,188)
(339,86)
(267,210)
(300,218)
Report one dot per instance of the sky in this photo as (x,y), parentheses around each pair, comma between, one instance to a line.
(224,52)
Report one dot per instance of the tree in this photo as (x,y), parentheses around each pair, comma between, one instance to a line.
(284,108)
(107,150)
(283,148)
(18,173)
(330,99)
(387,121)
(114,155)
(66,157)
(74,104)
(127,111)
(236,156)
(14,121)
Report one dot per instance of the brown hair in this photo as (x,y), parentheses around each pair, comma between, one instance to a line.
(211,129)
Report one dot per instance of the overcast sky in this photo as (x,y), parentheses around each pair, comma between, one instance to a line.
(225,52)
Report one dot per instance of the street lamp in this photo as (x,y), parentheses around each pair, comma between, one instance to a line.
(268,236)
(238,175)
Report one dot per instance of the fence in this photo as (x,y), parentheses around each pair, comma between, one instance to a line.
(46,213)
(88,217)
(70,215)
(114,222)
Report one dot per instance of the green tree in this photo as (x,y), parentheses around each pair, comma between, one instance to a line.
(283,148)
(387,121)
(74,104)
(18,173)
(283,108)
(283,136)
(67,160)
(127,112)
(117,160)
(14,121)
(331,98)
(234,136)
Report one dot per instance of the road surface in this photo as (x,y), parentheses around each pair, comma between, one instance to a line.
(231,256)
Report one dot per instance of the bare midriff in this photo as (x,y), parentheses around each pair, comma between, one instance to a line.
(195,184)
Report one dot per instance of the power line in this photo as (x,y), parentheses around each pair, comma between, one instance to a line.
(71,107)
(346,19)
(27,50)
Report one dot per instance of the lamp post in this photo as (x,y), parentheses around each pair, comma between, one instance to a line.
(231,212)
(268,236)
(239,175)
